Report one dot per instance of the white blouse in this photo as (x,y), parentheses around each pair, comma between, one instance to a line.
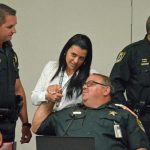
(38,94)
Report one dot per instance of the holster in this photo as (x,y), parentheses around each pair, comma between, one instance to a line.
(12,113)
(19,103)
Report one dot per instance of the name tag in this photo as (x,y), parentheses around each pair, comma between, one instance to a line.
(117,130)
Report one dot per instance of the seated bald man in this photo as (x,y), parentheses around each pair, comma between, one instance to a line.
(113,127)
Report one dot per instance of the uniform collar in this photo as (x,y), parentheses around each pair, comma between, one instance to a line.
(77,112)
(5,46)
(107,105)
(1,49)
(146,40)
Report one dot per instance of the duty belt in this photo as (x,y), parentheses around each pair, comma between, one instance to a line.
(4,113)
(147,108)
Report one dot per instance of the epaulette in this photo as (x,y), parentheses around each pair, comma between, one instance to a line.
(133,45)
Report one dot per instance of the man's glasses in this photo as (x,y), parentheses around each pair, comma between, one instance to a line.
(91,83)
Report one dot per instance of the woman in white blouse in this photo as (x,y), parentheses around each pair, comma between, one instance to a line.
(61,82)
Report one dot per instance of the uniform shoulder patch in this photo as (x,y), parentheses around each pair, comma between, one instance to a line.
(15,60)
(120,56)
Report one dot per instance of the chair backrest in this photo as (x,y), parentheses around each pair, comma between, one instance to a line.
(14,146)
(64,143)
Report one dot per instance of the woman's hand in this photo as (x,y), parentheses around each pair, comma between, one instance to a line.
(54,93)
(126,108)
(54,89)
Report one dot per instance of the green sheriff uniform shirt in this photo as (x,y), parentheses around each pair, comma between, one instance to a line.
(9,72)
(80,121)
(131,73)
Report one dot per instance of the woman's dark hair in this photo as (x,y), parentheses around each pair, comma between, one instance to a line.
(80,75)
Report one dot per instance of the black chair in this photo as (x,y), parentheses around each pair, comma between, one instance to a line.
(14,146)
(64,143)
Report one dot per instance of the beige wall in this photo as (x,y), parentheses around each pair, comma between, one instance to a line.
(45,26)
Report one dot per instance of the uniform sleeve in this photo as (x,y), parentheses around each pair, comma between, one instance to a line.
(120,74)
(47,127)
(136,134)
(38,94)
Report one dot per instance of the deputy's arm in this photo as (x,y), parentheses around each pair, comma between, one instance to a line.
(41,113)
(26,133)
(20,91)
(120,74)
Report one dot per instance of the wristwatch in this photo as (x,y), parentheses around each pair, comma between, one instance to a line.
(26,125)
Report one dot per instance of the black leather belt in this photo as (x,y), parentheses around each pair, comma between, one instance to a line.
(147,108)
(4,113)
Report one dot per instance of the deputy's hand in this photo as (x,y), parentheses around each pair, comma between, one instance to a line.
(128,109)
(54,89)
(53,97)
(26,135)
